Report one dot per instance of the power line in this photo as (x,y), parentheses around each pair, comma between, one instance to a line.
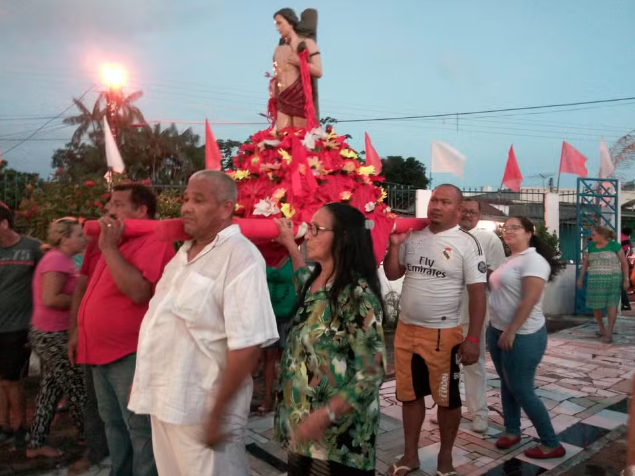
(46,123)
(490,111)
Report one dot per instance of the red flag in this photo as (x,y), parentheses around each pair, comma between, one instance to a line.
(213,156)
(372,158)
(572,161)
(512,177)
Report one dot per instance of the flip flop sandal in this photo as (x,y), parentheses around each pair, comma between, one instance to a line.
(396,469)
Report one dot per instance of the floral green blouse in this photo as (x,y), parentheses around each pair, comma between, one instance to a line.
(327,355)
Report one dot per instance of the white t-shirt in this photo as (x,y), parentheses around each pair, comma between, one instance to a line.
(495,256)
(438,267)
(202,308)
(506,285)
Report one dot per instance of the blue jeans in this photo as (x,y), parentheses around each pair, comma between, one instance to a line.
(517,369)
(129,435)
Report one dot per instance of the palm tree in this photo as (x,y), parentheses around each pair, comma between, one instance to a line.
(91,122)
(623,155)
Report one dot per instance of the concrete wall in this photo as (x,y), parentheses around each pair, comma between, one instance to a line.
(559,297)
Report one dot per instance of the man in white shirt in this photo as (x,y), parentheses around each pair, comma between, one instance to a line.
(201,338)
(476,375)
(438,263)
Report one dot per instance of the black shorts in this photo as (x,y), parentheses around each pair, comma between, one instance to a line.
(14,355)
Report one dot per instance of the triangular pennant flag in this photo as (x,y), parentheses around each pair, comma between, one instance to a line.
(113,157)
(512,177)
(372,158)
(213,157)
(607,169)
(446,158)
(572,161)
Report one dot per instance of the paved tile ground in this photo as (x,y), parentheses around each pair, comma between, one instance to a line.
(583,382)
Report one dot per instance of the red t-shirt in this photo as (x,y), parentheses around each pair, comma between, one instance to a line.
(108,321)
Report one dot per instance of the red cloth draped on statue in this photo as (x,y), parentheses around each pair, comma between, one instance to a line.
(291,101)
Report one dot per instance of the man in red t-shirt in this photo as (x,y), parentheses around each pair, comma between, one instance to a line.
(119,279)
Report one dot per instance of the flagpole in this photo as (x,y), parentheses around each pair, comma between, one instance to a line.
(110,177)
(559,173)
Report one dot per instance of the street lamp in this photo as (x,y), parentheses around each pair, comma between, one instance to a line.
(113,77)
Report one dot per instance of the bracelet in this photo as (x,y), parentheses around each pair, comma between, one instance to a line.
(331,414)
(473,339)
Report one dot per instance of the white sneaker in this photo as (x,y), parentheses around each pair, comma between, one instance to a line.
(479,424)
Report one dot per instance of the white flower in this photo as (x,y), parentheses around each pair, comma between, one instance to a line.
(309,139)
(270,142)
(369,207)
(387,210)
(266,207)
(339,366)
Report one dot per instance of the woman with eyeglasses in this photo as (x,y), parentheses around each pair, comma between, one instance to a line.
(327,413)
(517,335)
(53,284)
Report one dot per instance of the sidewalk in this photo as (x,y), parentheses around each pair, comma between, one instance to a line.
(583,382)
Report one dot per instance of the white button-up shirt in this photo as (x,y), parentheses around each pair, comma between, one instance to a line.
(216,302)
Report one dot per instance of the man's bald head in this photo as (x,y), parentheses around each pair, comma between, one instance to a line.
(443,208)
(223,187)
(208,204)
(454,188)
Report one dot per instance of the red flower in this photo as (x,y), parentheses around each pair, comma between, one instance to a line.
(146,182)
(105,197)
(98,204)
(89,183)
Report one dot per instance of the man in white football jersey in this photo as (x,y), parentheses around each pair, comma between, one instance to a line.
(475,375)
(438,263)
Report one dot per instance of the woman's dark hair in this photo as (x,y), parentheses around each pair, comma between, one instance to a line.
(544,250)
(7,214)
(352,251)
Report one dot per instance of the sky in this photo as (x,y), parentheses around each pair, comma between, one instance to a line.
(198,59)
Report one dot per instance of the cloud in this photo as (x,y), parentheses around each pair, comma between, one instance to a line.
(81,20)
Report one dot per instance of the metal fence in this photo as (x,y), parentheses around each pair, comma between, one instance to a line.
(401,198)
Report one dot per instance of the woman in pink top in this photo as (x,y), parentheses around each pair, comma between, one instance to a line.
(53,284)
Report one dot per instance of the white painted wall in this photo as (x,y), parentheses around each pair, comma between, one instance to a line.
(552,212)
(422,198)
(559,297)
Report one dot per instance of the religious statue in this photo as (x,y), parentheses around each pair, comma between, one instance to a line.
(297,50)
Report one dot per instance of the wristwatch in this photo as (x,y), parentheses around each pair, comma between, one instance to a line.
(630,471)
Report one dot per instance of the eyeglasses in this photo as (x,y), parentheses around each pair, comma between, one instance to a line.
(315,229)
(511,228)
(469,212)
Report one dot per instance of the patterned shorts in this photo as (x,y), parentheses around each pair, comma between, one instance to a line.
(426,364)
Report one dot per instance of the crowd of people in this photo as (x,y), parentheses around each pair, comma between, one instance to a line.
(154,349)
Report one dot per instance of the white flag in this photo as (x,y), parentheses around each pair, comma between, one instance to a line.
(113,157)
(607,169)
(446,158)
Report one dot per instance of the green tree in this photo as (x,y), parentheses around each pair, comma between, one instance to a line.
(90,121)
(229,149)
(164,156)
(15,185)
(402,171)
